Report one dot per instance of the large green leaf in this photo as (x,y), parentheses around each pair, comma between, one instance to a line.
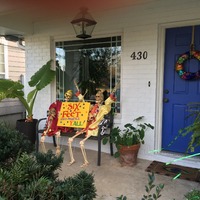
(31,95)
(11,89)
(43,76)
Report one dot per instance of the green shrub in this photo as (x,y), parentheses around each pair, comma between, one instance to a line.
(12,144)
(153,192)
(27,175)
(193,195)
(33,177)
(194,128)
(122,197)
(150,195)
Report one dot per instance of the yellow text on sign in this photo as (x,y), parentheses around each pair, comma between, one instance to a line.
(74,114)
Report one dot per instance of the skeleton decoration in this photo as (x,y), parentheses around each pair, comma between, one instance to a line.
(51,124)
(96,115)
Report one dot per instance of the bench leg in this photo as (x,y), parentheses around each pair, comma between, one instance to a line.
(37,142)
(54,141)
(99,151)
(111,149)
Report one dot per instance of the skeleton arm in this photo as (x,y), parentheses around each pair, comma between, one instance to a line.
(78,93)
(48,128)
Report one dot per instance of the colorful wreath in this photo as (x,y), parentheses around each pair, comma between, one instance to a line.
(180,69)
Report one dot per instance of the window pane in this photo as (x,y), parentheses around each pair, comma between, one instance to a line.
(2,76)
(94,64)
(1,48)
(2,58)
(2,69)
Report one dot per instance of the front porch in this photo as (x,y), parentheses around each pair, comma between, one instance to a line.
(112,180)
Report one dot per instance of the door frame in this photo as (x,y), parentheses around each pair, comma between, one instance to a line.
(160,78)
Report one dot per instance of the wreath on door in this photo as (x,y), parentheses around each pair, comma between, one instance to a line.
(193,54)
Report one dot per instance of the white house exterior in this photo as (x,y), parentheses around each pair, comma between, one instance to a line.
(142,28)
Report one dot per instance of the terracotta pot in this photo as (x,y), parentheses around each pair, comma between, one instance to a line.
(128,155)
(28,128)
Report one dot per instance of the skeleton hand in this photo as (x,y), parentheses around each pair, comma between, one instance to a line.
(70,140)
(42,139)
(44,133)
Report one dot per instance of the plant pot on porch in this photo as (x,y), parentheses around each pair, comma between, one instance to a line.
(128,140)
(14,89)
(128,155)
(27,128)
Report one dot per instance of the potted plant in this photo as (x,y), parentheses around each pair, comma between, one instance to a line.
(128,140)
(14,89)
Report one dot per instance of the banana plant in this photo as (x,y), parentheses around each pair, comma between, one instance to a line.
(14,89)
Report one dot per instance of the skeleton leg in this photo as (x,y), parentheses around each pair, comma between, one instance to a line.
(70,140)
(72,160)
(58,143)
(42,143)
(85,163)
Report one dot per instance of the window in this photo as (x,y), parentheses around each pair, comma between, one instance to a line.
(94,64)
(2,62)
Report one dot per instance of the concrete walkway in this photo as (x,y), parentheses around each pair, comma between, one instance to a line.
(112,180)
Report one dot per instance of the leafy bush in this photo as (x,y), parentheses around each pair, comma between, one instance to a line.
(122,197)
(25,175)
(131,134)
(149,189)
(12,144)
(30,178)
(14,89)
(193,195)
(194,128)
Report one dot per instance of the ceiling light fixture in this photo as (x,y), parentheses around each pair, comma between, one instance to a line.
(83,24)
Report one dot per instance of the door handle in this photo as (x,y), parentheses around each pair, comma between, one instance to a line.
(166,91)
(165,100)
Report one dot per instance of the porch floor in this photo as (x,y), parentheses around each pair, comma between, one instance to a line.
(112,180)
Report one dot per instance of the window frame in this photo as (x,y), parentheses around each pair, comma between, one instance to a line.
(4,43)
(118,68)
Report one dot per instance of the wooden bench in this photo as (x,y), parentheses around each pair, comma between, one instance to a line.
(105,126)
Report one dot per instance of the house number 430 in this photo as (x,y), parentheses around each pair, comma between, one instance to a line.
(139,55)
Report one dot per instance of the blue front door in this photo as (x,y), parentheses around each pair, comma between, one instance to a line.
(177,93)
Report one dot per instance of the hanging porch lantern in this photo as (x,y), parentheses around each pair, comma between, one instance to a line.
(83,24)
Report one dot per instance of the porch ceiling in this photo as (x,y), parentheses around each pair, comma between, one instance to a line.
(19,16)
